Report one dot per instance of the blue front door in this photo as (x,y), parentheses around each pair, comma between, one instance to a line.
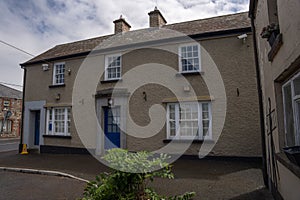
(37,128)
(111,128)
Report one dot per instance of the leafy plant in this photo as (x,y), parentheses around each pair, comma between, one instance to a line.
(130,177)
(268,30)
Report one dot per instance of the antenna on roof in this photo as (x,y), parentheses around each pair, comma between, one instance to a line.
(156,4)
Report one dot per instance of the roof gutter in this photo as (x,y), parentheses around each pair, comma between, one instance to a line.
(252,9)
(206,35)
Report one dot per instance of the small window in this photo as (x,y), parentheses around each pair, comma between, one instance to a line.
(58,121)
(59,74)
(189,58)
(291,104)
(113,65)
(6,103)
(5,126)
(189,120)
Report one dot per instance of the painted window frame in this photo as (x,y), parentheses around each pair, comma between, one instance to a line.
(6,125)
(66,121)
(180,57)
(54,79)
(106,77)
(200,136)
(295,108)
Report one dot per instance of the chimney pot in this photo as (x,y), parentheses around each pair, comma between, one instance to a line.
(156,19)
(121,25)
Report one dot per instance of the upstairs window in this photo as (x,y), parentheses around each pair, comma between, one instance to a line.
(291,104)
(189,60)
(59,74)
(189,120)
(113,64)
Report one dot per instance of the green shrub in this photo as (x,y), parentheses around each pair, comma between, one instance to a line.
(130,176)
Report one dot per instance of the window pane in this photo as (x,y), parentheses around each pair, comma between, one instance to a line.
(297,85)
(59,73)
(298,122)
(113,67)
(289,119)
(189,58)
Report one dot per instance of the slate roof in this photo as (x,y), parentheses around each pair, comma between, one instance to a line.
(10,92)
(214,24)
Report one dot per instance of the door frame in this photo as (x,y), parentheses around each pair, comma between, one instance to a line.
(102,102)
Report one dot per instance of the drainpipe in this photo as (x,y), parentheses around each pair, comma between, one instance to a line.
(23,108)
(261,107)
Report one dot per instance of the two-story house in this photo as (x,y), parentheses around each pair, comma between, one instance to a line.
(276,26)
(10,112)
(190,84)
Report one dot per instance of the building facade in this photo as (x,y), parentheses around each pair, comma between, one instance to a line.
(191,50)
(277,29)
(10,112)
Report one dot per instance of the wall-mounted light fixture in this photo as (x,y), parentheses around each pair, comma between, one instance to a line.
(57,97)
(69,71)
(243,37)
(45,67)
(110,102)
(237,92)
(145,96)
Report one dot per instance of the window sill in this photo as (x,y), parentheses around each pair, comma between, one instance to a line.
(282,158)
(197,141)
(190,73)
(275,47)
(111,81)
(58,136)
(56,86)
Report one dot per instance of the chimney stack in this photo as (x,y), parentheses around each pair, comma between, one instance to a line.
(156,18)
(121,25)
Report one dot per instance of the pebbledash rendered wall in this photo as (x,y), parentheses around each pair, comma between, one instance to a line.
(274,74)
(235,61)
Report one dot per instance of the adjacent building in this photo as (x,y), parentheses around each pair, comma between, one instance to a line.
(10,112)
(276,26)
(51,79)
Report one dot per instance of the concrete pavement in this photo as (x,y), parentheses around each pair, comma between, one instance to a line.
(9,144)
(210,179)
(25,186)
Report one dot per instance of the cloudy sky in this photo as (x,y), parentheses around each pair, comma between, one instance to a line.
(37,25)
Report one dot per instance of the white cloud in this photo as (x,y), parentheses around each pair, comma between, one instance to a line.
(36,26)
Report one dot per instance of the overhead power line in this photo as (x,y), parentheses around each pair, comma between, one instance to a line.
(12,84)
(12,46)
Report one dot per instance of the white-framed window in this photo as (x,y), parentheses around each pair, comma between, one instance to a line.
(291,106)
(189,120)
(113,66)
(189,58)
(58,121)
(5,126)
(59,73)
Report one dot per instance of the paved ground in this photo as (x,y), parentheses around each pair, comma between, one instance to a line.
(210,179)
(24,186)
(9,144)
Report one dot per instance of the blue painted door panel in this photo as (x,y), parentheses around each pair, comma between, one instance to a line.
(37,128)
(111,128)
